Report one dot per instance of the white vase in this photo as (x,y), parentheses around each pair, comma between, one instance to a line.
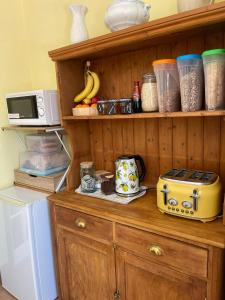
(184,5)
(79,31)
(124,13)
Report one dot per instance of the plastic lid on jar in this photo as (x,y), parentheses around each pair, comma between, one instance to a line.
(164,61)
(189,56)
(213,52)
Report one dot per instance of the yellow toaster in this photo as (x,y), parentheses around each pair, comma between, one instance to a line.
(190,194)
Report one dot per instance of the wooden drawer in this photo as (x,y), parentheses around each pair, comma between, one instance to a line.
(85,224)
(179,255)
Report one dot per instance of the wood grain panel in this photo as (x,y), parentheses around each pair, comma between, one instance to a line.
(165,145)
(125,82)
(152,151)
(214,39)
(108,146)
(211,144)
(117,129)
(96,136)
(195,143)
(128,137)
(180,143)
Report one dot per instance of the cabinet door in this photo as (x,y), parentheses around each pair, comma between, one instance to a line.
(86,268)
(139,279)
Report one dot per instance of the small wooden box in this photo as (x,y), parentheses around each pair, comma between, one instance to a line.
(44,183)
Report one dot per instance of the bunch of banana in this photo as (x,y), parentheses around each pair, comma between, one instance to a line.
(91,88)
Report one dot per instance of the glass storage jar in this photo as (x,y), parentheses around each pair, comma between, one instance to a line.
(149,98)
(87,175)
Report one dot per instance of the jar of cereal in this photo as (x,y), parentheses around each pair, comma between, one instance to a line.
(149,96)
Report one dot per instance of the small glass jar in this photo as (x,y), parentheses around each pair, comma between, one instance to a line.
(126,106)
(108,184)
(102,107)
(149,96)
(87,175)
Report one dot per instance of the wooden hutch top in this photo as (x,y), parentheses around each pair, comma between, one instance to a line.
(164,140)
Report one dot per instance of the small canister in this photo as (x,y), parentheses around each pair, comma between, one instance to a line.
(113,108)
(149,98)
(87,175)
(214,69)
(102,107)
(126,106)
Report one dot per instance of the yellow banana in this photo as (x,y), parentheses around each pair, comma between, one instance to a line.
(88,88)
(96,85)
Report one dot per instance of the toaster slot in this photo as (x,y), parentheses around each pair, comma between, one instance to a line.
(195,197)
(181,174)
(171,173)
(165,192)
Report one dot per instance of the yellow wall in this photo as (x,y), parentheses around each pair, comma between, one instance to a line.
(29,29)
(14,75)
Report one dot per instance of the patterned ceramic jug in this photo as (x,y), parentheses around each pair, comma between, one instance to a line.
(127,175)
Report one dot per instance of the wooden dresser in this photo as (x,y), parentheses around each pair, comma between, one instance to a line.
(133,252)
(108,251)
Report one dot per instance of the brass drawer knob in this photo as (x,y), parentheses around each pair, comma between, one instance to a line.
(156,250)
(81,223)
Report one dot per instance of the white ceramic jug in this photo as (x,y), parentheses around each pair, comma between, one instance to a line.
(184,5)
(124,13)
(79,31)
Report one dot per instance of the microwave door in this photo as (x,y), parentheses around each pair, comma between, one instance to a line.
(22,107)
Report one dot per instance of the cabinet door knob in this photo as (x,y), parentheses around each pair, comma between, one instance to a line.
(156,250)
(81,223)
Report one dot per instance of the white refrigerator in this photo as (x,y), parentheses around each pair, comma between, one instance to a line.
(26,258)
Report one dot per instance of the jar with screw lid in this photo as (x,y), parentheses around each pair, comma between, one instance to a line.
(149,95)
(87,175)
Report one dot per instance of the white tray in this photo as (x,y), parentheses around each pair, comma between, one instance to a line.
(113,197)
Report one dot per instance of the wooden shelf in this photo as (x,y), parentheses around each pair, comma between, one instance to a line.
(135,37)
(36,129)
(155,115)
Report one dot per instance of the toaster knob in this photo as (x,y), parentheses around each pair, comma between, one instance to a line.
(187,204)
(173,202)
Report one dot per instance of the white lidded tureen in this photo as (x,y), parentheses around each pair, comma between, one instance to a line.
(125,13)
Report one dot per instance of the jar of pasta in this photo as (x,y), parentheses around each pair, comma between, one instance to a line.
(149,98)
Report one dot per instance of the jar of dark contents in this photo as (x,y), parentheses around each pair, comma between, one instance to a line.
(87,175)
(126,106)
(102,107)
(137,97)
(149,97)
(114,107)
(108,184)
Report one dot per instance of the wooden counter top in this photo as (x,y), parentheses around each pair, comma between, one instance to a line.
(143,213)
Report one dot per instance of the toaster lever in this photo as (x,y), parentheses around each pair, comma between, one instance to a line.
(195,197)
(165,191)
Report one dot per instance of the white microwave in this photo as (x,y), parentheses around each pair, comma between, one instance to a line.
(34,108)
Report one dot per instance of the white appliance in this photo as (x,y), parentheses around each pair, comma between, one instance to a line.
(26,259)
(33,108)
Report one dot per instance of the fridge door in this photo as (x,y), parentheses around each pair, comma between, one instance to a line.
(17,270)
(43,252)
